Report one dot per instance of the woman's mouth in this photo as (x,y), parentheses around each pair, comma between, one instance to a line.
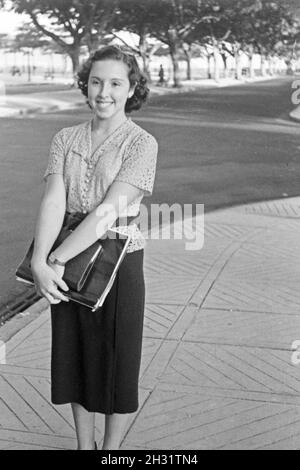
(104,104)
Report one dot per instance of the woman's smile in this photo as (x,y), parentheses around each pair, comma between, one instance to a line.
(103,104)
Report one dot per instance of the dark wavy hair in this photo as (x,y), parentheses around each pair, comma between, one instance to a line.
(135,76)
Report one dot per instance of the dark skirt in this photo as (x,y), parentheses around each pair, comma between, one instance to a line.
(96,356)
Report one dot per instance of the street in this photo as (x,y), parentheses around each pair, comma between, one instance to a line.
(220,147)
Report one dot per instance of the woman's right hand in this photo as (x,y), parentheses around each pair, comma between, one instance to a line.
(46,281)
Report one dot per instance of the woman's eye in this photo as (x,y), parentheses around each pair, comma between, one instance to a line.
(95,82)
(116,84)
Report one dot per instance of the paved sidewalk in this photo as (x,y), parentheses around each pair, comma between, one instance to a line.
(216,366)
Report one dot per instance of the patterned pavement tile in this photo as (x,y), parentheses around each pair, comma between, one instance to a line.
(30,420)
(170,290)
(268,263)
(34,349)
(159,319)
(149,350)
(174,420)
(213,366)
(278,208)
(244,328)
(253,295)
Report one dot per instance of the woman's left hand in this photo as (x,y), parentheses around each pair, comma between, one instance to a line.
(59,270)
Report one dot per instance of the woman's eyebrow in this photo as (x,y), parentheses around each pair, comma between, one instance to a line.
(119,79)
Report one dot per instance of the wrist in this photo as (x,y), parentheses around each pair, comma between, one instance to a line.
(37,263)
(54,259)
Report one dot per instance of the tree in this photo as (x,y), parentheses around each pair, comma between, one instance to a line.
(173,22)
(136,16)
(214,28)
(69,21)
(260,27)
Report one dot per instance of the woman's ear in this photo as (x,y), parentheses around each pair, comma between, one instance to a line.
(131,92)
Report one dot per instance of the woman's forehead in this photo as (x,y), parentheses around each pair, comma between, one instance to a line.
(109,68)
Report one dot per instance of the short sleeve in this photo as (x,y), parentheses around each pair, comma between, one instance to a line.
(56,156)
(138,167)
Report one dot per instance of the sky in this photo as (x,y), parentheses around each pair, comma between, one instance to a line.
(10,21)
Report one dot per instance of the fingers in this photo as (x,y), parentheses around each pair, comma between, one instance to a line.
(57,277)
(57,295)
(53,295)
(61,283)
(47,285)
(51,299)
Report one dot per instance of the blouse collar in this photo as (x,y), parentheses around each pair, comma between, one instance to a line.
(83,140)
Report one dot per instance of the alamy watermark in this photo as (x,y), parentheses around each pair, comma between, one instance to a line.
(159,221)
(295,98)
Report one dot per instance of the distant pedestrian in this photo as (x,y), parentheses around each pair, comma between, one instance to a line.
(161,74)
(105,161)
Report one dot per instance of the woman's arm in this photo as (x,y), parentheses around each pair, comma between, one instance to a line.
(96,224)
(50,218)
(49,221)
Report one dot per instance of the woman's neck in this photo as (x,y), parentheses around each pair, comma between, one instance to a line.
(106,126)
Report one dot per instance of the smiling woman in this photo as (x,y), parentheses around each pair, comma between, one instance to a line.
(108,89)
(108,161)
(137,81)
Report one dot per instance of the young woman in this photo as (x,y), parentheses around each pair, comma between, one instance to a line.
(107,162)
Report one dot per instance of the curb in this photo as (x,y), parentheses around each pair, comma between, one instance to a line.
(18,322)
(49,109)
(22,112)
(295,114)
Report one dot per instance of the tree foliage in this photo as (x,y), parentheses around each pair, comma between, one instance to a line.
(220,27)
(69,21)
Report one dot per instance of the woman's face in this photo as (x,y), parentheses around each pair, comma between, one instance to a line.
(108,88)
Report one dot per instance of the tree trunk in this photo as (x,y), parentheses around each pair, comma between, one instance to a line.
(145,57)
(146,67)
(224,58)
(238,70)
(216,59)
(176,78)
(174,53)
(251,61)
(209,67)
(188,57)
(74,55)
(271,65)
(263,66)
(28,67)
(251,65)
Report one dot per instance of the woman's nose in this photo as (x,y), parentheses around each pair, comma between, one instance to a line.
(104,89)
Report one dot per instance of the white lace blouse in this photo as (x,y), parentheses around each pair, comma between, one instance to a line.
(129,154)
